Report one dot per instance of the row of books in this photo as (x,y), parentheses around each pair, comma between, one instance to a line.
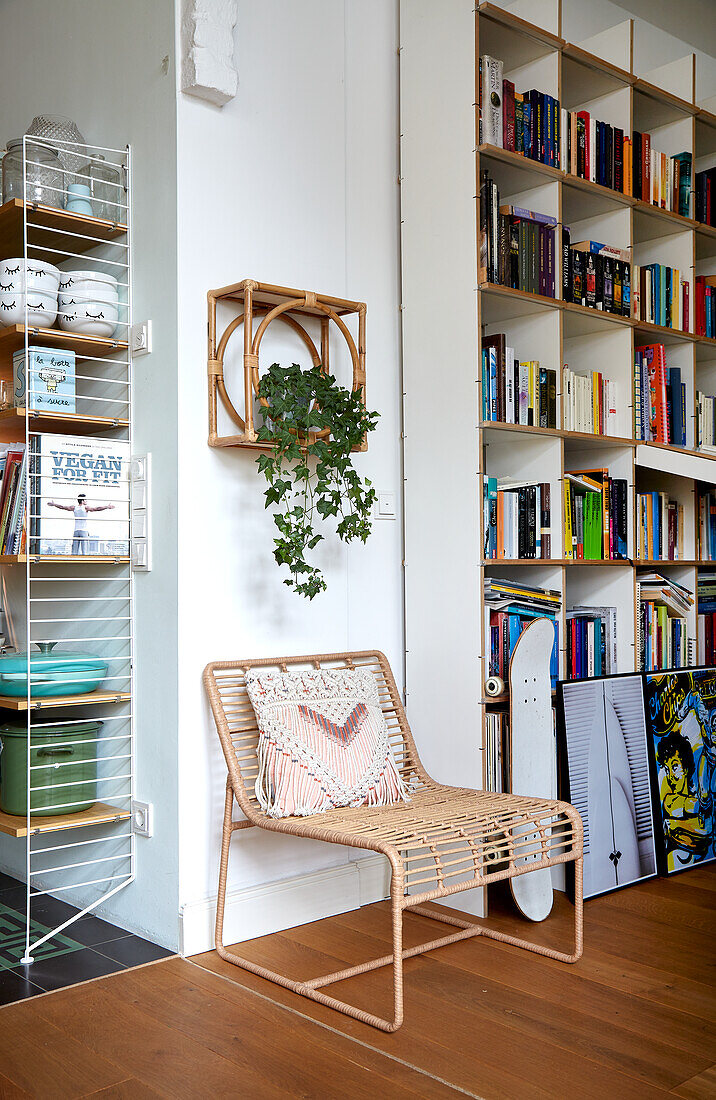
(595,516)
(704,206)
(662,628)
(589,402)
(523,122)
(13,528)
(704,312)
(510,606)
(497,751)
(660,527)
(707,618)
(706,548)
(660,414)
(516,245)
(661,296)
(517,518)
(596,275)
(591,642)
(594,150)
(659,179)
(705,420)
(514,391)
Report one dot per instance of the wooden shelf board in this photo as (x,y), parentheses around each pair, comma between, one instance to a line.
(576,183)
(96,815)
(520,301)
(554,561)
(76,423)
(677,222)
(518,161)
(640,563)
(12,339)
(597,314)
(559,433)
(87,699)
(670,107)
(49,228)
(584,59)
(658,333)
(79,559)
(504,18)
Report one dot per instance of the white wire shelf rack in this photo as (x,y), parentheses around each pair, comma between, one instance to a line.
(80,744)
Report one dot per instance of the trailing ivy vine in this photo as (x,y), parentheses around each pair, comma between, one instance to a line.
(307,477)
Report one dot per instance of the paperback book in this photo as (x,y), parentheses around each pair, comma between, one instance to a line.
(79,496)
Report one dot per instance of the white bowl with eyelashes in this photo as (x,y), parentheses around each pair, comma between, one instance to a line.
(41,308)
(83,291)
(38,275)
(90,317)
(89,283)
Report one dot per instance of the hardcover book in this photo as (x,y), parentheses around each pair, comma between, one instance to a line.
(79,496)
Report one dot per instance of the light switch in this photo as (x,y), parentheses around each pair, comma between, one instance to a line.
(385,507)
(139,553)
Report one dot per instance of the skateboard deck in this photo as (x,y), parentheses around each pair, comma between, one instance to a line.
(532,756)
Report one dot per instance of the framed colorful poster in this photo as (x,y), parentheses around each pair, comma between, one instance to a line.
(681,723)
(604,773)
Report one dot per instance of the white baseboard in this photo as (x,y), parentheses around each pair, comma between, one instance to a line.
(274,906)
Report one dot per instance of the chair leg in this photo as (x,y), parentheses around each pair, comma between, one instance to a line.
(223,868)
(397,893)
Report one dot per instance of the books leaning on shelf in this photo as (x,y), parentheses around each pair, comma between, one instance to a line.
(516,246)
(595,516)
(517,518)
(523,122)
(589,402)
(707,618)
(509,608)
(706,534)
(591,642)
(662,625)
(515,392)
(705,196)
(705,315)
(596,275)
(705,421)
(13,531)
(79,496)
(661,296)
(659,179)
(660,398)
(497,751)
(660,527)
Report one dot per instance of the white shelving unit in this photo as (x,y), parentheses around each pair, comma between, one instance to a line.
(82,604)
(446,312)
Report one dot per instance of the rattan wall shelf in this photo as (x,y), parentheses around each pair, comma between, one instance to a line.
(265,303)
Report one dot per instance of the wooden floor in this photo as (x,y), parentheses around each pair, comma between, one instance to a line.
(635,1018)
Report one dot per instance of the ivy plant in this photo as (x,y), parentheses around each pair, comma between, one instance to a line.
(308,477)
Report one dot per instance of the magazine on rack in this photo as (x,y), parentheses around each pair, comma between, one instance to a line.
(79,496)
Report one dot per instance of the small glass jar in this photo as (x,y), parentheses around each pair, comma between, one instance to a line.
(45,178)
(105,192)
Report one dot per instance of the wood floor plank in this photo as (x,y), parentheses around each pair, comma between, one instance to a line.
(307,1056)
(462,1044)
(45,1060)
(526,973)
(700,1087)
(131,1089)
(11,1091)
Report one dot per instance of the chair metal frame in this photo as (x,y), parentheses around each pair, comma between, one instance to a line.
(450,838)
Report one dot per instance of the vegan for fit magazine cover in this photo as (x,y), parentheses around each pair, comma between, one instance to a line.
(80,496)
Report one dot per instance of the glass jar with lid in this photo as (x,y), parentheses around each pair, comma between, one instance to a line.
(106,194)
(45,178)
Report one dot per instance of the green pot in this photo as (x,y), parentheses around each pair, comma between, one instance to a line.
(56,764)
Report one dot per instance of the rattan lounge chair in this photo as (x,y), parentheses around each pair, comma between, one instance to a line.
(446,839)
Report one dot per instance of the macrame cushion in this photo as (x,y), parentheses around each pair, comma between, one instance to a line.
(323,742)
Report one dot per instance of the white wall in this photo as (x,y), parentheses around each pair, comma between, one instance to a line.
(292,182)
(101,63)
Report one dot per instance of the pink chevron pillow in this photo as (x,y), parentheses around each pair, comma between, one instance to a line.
(323,742)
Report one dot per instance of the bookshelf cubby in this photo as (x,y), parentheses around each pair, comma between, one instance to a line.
(446,311)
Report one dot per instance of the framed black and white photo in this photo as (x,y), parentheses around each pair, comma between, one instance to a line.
(605,775)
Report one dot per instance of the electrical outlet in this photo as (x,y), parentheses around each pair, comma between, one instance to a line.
(142,818)
(141,338)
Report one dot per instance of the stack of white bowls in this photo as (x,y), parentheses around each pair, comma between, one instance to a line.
(34,279)
(88,303)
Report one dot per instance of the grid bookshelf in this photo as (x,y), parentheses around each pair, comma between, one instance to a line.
(446,311)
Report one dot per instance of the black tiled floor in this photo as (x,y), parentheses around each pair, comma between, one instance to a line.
(15,987)
(132,951)
(99,947)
